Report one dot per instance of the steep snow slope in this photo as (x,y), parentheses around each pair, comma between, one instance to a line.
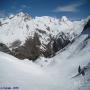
(65,64)
(49,74)
(46,73)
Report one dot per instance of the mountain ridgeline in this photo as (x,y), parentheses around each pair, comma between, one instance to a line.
(29,38)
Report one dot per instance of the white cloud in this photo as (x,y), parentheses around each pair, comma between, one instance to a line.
(68,8)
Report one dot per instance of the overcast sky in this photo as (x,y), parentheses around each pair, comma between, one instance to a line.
(74,9)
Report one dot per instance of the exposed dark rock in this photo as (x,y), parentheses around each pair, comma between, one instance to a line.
(27,27)
(49,50)
(48,28)
(4,48)
(3,23)
(0,23)
(87,25)
(15,44)
(60,42)
(30,50)
(56,44)
(87,38)
(41,31)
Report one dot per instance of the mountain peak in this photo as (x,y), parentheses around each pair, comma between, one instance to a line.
(64,18)
(21,14)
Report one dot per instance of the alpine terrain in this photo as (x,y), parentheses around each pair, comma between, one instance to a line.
(44,53)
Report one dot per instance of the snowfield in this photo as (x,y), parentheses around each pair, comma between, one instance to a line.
(48,74)
(54,73)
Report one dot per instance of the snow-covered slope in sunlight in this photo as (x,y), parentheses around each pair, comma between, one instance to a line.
(65,64)
(25,75)
(46,34)
(49,73)
(55,73)
(28,76)
(20,26)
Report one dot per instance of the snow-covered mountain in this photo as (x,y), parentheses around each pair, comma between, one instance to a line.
(22,25)
(70,40)
(51,34)
(49,73)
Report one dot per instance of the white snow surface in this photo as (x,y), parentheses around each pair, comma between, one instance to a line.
(48,73)
(22,26)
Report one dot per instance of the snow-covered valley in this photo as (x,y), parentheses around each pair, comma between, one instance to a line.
(55,73)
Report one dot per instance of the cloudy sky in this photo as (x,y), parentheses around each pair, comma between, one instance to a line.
(74,9)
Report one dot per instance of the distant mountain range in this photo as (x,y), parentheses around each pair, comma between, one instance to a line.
(27,37)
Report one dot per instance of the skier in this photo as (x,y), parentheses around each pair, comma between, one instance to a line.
(81,71)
